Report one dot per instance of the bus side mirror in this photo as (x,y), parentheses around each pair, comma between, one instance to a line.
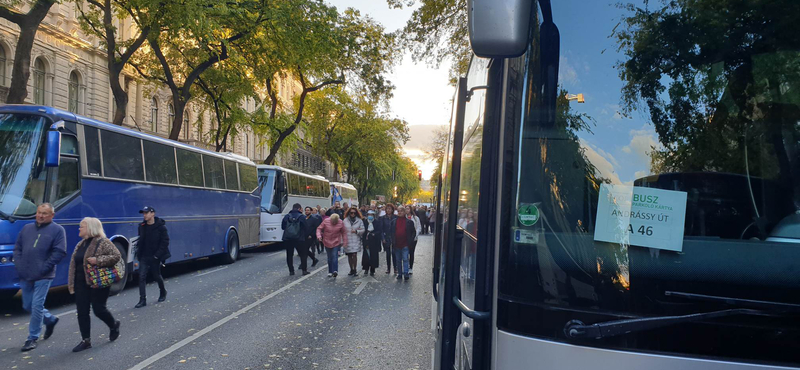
(499,28)
(53,145)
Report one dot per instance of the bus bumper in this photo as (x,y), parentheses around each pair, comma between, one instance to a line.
(8,274)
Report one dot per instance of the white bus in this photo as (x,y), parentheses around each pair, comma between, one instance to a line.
(280,189)
(345,193)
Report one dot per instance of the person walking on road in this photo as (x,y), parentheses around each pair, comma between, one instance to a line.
(312,222)
(293,225)
(423,220)
(332,235)
(412,244)
(152,250)
(93,250)
(354,229)
(388,222)
(337,209)
(40,246)
(404,234)
(372,243)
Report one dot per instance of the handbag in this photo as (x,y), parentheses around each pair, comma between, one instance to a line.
(102,277)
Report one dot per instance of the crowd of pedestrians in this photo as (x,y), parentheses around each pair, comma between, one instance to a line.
(40,246)
(366,231)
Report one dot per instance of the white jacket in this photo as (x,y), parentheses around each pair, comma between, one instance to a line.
(352,243)
(417,226)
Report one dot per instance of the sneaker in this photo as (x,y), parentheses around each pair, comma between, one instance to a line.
(330,275)
(305,272)
(388,272)
(335,274)
(351,273)
(399,277)
(406,277)
(84,344)
(48,328)
(163,296)
(114,331)
(410,272)
(316,260)
(291,273)
(372,273)
(29,345)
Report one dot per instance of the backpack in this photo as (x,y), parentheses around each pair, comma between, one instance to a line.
(292,231)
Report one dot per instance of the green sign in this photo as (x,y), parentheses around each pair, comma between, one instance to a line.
(528,214)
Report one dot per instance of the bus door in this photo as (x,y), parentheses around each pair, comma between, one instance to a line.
(464,295)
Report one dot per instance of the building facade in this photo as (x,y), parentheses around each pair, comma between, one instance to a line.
(69,71)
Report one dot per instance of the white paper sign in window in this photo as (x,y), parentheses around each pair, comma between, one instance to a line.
(644,217)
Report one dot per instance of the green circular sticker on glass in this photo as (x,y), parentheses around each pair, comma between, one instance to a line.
(528,214)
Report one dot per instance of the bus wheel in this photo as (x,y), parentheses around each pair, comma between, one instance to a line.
(118,286)
(233,248)
(8,294)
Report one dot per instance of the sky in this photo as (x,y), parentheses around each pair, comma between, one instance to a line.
(422,93)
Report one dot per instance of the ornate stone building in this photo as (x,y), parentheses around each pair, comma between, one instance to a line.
(68,71)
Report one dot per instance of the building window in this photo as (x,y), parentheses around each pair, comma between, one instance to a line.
(200,123)
(38,81)
(247,145)
(74,85)
(186,124)
(170,114)
(154,114)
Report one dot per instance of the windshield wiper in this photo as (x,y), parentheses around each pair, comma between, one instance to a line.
(577,329)
(7,216)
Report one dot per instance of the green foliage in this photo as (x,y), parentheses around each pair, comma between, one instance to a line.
(438,31)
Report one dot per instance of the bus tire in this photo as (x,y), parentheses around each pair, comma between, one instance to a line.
(117,287)
(233,248)
(8,294)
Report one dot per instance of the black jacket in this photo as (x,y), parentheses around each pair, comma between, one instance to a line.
(312,223)
(423,218)
(300,217)
(376,234)
(339,212)
(159,248)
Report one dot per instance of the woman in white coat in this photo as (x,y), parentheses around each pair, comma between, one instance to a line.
(354,229)
(412,245)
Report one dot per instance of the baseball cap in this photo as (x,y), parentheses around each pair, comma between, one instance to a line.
(370,212)
(147,209)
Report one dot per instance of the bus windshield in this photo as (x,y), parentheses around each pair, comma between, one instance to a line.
(22,172)
(266,179)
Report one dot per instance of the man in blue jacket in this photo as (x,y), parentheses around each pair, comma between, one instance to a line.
(39,248)
(294,225)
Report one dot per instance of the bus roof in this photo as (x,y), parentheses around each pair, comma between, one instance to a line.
(56,114)
(273,167)
(344,185)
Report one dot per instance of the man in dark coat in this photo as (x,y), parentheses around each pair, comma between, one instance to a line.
(423,219)
(293,225)
(39,248)
(312,222)
(152,250)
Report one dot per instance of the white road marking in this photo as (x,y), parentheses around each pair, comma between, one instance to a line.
(152,359)
(364,281)
(66,313)
(212,271)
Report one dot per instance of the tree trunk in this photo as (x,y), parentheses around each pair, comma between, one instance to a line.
(21,72)
(120,95)
(179,104)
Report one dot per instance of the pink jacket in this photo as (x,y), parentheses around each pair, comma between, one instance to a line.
(331,235)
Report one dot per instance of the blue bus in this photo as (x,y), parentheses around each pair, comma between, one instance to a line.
(89,168)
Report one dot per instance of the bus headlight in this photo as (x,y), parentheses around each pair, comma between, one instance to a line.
(5,260)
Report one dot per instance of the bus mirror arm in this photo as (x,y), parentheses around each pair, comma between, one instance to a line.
(468,312)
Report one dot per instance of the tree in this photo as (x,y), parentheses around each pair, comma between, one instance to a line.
(441,138)
(185,48)
(437,31)
(28,24)
(98,19)
(717,76)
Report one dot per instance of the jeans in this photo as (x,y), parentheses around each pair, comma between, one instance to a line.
(34,294)
(401,257)
(333,259)
(153,266)
(85,296)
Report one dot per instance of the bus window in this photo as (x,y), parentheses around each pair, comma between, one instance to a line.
(304,183)
(294,184)
(212,167)
(159,162)
(122,156)
(248,177)
(189,168)
(231,176)
(68,183)
(69,145)
(92,143)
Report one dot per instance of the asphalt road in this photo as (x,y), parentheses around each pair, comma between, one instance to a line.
(248,315)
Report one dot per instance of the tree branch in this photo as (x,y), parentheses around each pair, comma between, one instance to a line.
(11,15)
